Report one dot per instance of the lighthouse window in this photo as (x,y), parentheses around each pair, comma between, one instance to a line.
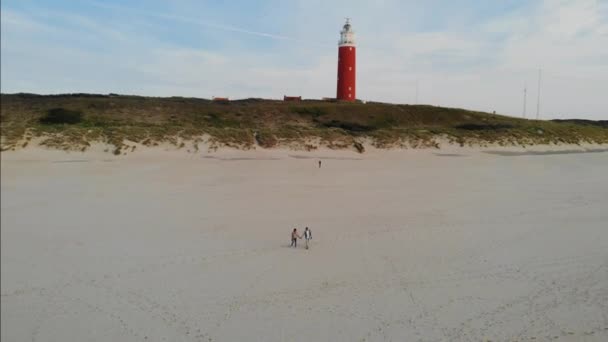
(350,49)
(350,88)
(350,68)
(349,95)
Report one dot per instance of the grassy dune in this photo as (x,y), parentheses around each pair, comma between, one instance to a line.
(73,122)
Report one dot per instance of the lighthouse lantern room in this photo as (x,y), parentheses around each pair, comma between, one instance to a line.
(346,64)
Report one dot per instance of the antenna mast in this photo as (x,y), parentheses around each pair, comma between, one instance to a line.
(525,99)
(538,95)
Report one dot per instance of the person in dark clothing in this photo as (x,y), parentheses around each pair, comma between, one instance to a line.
(294,238)
(319,164)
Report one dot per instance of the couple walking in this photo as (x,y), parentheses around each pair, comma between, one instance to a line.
(295,236)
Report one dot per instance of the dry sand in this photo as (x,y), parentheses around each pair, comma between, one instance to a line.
(434,245)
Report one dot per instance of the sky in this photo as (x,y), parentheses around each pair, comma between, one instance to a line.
(471,54)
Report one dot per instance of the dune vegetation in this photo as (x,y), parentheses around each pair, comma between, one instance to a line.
(75,121)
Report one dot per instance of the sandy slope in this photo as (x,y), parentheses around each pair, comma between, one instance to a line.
(458,245)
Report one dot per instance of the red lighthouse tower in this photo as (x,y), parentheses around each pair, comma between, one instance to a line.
(346,64)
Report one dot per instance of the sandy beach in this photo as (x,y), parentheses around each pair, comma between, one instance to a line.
(457,244)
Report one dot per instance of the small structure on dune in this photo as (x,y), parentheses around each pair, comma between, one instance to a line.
(220,99)
(292,98)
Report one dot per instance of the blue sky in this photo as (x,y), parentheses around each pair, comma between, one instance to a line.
(460,53)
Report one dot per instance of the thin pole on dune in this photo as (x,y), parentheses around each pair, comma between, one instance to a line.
(525,99)
(538,95)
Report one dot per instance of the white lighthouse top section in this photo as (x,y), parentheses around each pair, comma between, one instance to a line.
(347,35)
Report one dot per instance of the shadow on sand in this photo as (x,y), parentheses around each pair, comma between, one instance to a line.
(240,158)
(296,156)
(450,155)
(72,161)
(544,153)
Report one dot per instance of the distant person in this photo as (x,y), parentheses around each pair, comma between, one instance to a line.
(307,236)
(319,164)
(294,238)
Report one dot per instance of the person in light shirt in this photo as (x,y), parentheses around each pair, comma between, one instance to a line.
(307,236)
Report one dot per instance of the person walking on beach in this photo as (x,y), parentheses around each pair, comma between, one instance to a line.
(307,236)
(319,164)
(294,238)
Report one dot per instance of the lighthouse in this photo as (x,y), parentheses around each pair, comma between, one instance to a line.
(346,64)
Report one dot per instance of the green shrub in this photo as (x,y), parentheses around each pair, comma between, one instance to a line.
(314,112)
(348,126)
(221,120)
(266,139)
(482,127)
(58,116)
(359,147)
